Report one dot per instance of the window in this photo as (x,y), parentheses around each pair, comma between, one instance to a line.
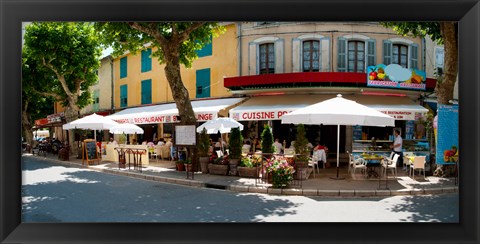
(311,56)
(206,50)
(439,56)
(400,55)
(146,91)
(356,56)
(123,96)
(203,83)
(146,60)
(267,58)
(96,100)
(123,67)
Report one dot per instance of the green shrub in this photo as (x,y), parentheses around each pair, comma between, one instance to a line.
(301,143)
(203,143)
(235,143)
(267,140)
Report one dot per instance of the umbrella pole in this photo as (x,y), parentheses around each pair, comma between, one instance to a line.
(338,153)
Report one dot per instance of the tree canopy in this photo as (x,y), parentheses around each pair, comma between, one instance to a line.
(68,53)
(172,43)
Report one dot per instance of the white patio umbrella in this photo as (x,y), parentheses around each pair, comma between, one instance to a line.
(91,122)
(126,128)
(338,111)
(222,125)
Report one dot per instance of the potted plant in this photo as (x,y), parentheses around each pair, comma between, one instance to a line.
(267,140)
(235,145)
(180,164)
(219,166)
(203,149)
(302,151)
(248,167)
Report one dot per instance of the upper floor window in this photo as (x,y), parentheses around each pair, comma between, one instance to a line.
(267,58)
(400,55)
(310,59)
(146,92)
(356,56)
(355,53)
(146,60)
(206,50)
(123,67)
(123,96)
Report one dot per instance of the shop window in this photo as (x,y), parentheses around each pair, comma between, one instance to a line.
(146,60)
(400,55)
(123,67)
(267,58)
(311,55)
(123,96)
(439,56)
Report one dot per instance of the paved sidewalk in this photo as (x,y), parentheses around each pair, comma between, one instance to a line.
(320,185)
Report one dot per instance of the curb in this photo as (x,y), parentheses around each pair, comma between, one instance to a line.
(270,190)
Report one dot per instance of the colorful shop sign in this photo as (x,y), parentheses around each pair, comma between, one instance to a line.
(156,119)
(447,141)
(395,76)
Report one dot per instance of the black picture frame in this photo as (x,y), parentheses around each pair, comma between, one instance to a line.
(467,12)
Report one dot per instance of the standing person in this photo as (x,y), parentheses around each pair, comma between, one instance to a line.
(397,147)
(278,146)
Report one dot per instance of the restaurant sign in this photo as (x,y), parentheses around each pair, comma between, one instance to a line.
(400,115)
(157,119)
(52,118)
(258,115)
(395,76)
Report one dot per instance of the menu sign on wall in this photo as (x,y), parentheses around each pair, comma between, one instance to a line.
(395,76)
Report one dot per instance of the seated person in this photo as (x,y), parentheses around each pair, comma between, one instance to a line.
(246,147)
(278,146)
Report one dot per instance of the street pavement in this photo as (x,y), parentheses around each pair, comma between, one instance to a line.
(53,192)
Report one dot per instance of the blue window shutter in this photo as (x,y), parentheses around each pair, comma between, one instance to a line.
(371,52)
(146,91)
(387,52)
(342,55)
(123,96)
(123,67)
(413,56)
(203,83)
(146,60)
(206,50)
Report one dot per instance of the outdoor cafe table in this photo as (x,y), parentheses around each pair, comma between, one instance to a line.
(373,161)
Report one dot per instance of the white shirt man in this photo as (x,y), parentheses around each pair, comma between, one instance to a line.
(397,144)
(278,146)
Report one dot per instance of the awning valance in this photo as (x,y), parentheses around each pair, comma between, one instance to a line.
(273,107)
(166,113)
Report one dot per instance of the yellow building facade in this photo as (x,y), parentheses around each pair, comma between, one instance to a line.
(220,63)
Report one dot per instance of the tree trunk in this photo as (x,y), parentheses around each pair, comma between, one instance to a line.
(179,92)
(445,85)
(71,114)
(27,128)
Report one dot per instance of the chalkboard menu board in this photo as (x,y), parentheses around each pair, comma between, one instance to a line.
(185,135)
(89,150)
(357,132)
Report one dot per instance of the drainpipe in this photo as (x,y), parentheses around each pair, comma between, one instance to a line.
(239,35)
(112,106)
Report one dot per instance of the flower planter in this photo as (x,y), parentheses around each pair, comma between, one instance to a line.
(204,164)
(180,167)
(233,163)
(247,172)
(301,171)
(218,169)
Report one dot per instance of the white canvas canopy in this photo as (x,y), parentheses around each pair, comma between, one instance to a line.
(126,128)
(338,111)
(91,122)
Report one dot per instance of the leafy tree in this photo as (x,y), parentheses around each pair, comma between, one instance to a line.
(67,54)
(34,106)
(445,33)
(173,43)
